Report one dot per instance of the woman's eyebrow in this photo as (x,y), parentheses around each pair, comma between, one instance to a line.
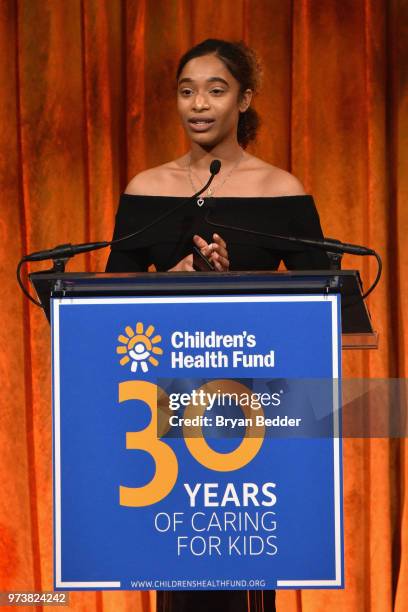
(210,80)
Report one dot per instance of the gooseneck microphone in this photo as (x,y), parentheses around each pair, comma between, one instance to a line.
(66,251)
(325,244)
(63,251)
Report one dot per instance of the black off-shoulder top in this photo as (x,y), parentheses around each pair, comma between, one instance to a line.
(167,242)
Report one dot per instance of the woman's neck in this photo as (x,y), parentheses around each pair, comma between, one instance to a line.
(227,153)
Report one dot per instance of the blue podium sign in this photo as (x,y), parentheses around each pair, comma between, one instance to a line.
(197,442)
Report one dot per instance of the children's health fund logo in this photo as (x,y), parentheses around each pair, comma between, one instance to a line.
(139,347)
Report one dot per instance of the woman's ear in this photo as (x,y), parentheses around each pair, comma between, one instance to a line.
(245,100)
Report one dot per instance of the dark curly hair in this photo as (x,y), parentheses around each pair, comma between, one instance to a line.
(243,64)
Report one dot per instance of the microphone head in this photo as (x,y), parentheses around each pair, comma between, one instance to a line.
(215,166)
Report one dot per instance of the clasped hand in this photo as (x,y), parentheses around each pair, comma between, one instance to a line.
(216,252)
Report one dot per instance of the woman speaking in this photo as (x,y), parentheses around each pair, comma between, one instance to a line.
(216,81)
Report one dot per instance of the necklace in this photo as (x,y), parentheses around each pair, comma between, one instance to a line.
(211,191)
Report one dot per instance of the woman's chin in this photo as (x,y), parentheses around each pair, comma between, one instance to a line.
(202,138)
(208,141)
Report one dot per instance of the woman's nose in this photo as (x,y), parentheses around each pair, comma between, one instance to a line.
(201,102)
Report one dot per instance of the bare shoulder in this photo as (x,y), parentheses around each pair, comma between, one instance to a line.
(154,181)
(283,183)
(275,181)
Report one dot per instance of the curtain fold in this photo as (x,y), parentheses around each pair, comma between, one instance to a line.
(88,101)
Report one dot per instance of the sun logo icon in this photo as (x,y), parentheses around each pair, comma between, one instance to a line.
(138,347)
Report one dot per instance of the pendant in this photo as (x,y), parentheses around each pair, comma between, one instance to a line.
(200,201)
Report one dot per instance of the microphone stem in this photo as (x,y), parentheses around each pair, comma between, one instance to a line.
(166,214)
(338,247)
(325,245)
(64,252)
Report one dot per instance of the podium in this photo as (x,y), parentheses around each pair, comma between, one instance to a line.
(197,427)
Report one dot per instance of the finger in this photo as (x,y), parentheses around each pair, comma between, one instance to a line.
(221,267)
(221,246)
(209,250)
(224,262)
(217,248)
(200,242)
(205,248)
(217,238)
(188,263)
(220,263)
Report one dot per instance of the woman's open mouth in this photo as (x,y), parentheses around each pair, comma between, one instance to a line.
(200,124)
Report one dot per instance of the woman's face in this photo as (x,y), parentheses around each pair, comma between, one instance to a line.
(209,101)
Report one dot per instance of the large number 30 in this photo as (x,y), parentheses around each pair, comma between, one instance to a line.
(163,455)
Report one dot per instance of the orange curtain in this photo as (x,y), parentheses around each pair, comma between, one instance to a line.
(87,101)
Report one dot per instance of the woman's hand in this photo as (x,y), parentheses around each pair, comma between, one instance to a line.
(184,265)
(216,251)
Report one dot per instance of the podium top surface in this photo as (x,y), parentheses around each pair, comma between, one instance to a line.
(355,316)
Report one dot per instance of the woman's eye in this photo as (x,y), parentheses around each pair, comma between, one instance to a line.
(186,92)
(217,91)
